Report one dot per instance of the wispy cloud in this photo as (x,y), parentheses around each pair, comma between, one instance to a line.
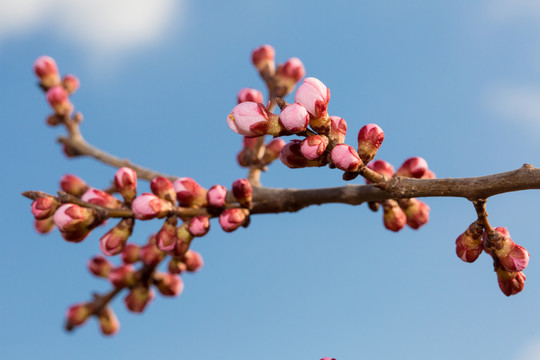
(530,351)
(516,104)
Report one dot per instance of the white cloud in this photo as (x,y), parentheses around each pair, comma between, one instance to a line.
(530,351)
(517,104)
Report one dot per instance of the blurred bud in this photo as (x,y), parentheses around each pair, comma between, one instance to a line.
(252,119)
(243,191)
(416,211)
(414,167)
(288,74)
(148,206)
(263,59)
(183,240)
(291,156)
(151,255)
(232,219)
(248,94)
(370,138)
(108,322)
(394,218)
(47,71)
(70,83)
(313,146)
(77,314)
(382,167)
(101,198)
(131,254)
(428,175)
(44,207)
(199,225)
(125,180)
(272,150)
(176,266)
(74,222)
(193,260)
(114,241)
(469,244)
(73,185)
(216,196)
(338,130)
(346,158)
(314,96)
(163,189)
(510,282)
(189,192)
(122,276)
(166,236)
(294,118)
(138,298)
(168,284)
(44,226)
(57,97)
(99,266)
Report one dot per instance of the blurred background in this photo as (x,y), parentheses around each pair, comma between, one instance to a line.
(456,82)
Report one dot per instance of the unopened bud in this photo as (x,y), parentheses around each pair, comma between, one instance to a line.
(189,192)
(314,96)
(131,254)
(101,198)
(47,71)
(199,225)
(414,167)
(74,222)
(252,119)
(417,212)
(99,266)
(338,130)
(291,156)
(232,219)
(168,284)
(108,322)
(176,266)
(346,158)
(294,118)
(469,244)
(394,218)
(248,94)
(125,181)
(166,236)
(138,298)
(370,138)
(70,83)
(148,206)
(263,59)
(183,240)
(73,185)
(313,146)
(272,150)
(114,241)
(58,98)
(382,167)
(44,207)
(288,74)
(44,226)
(122,276)
(510,282)
(216,196)
(193,260)
(512,257)
(77,314)
(151,255)
(242,191)
(163,188)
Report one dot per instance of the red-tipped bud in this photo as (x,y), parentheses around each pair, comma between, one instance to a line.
(263,59)
(417,212)
(151,255)
(166,236)
(57,97)
(125,180)
(370,138)
(500,229)
(199,225)
(101,198)
(414,167)
(288,74)
(469,244)
(216,196)
(70,83)
(193,260)
(163,188)
(252,119)
(99,266)
(346,158)
(512,257)
(73,185)
(313,146)
(77,314)
(314,96)
(510,282)
(44,207)
(189,193)
(176,266)
(131,254)
(248,94)
(47,71)
(428,175)
(243,191)
(232,219)
(382,167)
(148,206)
(114,241)
(168,284)
(122,276)
(74,222)
(338,129)
(138,298)
(44,226)
(291,156)
(272,150)
(183,240)
(294,118)
(394,218)
(108,322)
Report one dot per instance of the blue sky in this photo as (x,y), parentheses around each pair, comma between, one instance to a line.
(456,82)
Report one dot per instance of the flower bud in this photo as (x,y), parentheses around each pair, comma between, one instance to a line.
(313,146)
(131,254)
(57,97)
(108,322)
(101,198)
(99,266)
(189,193)
(166,236)
(70,83)
(125,181)
(176,266)
(263,59)
(183,240)
(382,167)
(252,119)
(74,222)
(78,314)
(44,226)
(394,218)
(414,167)
(510,282)
(73,185)
(370,138)
(291,156)
(193,260)
(294,118)
(163,189)
(122,276)
(314,96)
(469,244)
(428,175)
(248,94)
(243,191)
(288,74)
(44,207)
(148,206)
(47,71)
(512,257)
(114,241)
(232,219)
(346,158)
(216,196)
(272,150)
(416,211)
(138,298)
(151,255)
(338,130)
(199,225)
(500,229)
(168,284)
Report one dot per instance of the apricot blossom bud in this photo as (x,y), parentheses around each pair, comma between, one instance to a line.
(78,314)
(138,298)
(248,94)
(294,118)
(428,175)
(510,282)
(414,167)
(108,322)
(314,96)
(74,222)
(189,192)
(288,74)
(151,255)
(176,266)
(199,225)
(272,150)
(47,71)
(114,241)
(370,138)
(122,276)
(73,185)
(125,181)
(500,229)
(263,59)
(291,156)
(101,198)
(44,226)
(338,130)
(70,83)
(44,207)
(232,219)
(394,218)
(313,146)
(163,188)
(168,284)
(252,119)
(148,206)
(382,167)
(183,240)
(469,244)
(243,191)
(131,254)
(99,266)
(512,257)
(193,260)
(416,211)
(57,97)
(346,158)
(166,236)
(216,196)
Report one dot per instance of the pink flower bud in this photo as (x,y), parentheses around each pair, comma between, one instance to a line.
(289,73)
(168,284)
(512,257)
(338,129)
(263,59)
(131,254)
(500,229)
(151,255)
(313,146)
(252,119)
(428,175)
(272,150)
(232,219)
(70,83)
(101,198)
(114,241)
(99,266)
(327,358)
(138,298)
(510,282)
(78,314)
(291,156)
(47,71)
(314,96)
(414,167)
(394,218)
(166,236)
(469,244)
(516,259)
(183,240)
(148,206)
(125,181)
(73,185)
(163,188)
(74,222)
(44,226)
(416,211)
(346,158)
(189,193)
(176,266)
(216,196)
(294,118)
(108,322)
(193,260)
(248,94)
(57,97)
(122,276)
(243,191)
(44,207)
(382,167)
(370,138)
(199,225)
